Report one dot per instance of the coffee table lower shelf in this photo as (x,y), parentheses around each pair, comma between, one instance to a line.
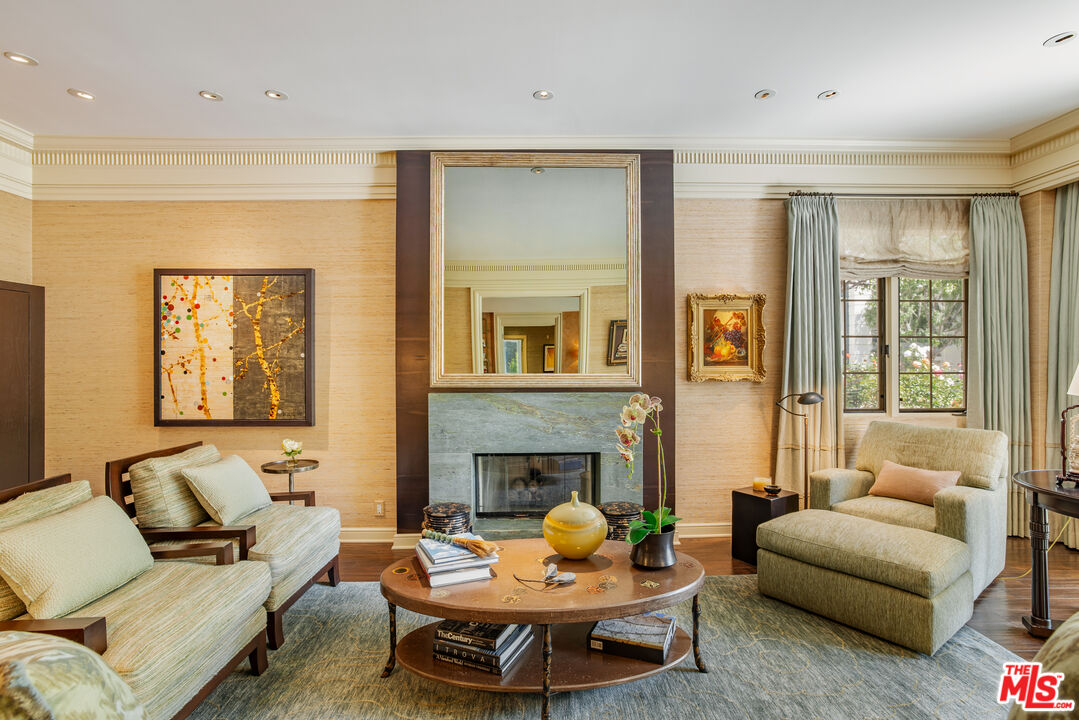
(573,665)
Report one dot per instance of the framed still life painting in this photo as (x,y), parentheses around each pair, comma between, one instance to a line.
(234,347)
(726,337)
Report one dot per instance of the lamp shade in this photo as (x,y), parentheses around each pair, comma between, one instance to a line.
(812,398)
(1073,389)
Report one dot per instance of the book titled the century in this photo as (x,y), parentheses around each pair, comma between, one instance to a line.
(644,637)
(499,660)
(481,635)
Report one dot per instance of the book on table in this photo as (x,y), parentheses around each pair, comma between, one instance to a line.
(488,636)
(644,637)
(446,564)
(498,660)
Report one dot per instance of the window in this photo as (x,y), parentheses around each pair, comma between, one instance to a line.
(925,320)
(863,343)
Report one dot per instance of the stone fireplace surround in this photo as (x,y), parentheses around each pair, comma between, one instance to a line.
(461,424)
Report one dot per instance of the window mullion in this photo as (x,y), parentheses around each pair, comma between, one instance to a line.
(891,316)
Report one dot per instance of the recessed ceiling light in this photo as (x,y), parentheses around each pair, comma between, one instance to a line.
(215,97)
(1059,39)
(543,94)
(537,170)
(80,94)
(827,94)
(276,95)
(764,94)
(20,58)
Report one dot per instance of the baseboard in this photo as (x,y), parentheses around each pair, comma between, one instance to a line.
(367,535)
(703,530)
(405,541)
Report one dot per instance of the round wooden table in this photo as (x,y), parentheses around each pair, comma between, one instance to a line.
(1044,494)
(280,467)
(607,586)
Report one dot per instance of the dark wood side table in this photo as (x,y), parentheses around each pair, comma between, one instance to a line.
(1044,495)
(750,508)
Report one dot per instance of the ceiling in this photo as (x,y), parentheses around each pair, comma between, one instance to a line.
(635,68)
(507,213)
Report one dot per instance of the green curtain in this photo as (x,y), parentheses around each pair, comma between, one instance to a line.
(1063,333)
(812,347)
(998,382)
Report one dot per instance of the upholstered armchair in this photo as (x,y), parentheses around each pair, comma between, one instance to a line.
(974,511)
(299,543)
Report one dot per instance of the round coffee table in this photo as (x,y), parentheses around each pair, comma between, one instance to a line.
(607,586)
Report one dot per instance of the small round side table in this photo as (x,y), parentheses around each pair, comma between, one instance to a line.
(280,467)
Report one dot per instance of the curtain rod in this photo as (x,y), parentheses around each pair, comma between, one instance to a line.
(900,196)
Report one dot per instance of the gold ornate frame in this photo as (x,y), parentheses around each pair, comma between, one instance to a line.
(753,306)
(631,163)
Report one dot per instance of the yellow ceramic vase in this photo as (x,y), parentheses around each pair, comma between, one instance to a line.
(574,529)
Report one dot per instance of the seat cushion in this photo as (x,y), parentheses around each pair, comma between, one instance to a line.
(31,506)
(177,615)
(914,560)
(288,535)
(891,510)
(59,563)
(162,497)
(43,676)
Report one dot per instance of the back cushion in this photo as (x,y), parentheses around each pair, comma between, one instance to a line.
(981,456)
(162,497)
(31,506)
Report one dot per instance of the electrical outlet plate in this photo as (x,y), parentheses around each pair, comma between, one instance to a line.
(380,508)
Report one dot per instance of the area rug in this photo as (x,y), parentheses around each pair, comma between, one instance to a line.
(767,660)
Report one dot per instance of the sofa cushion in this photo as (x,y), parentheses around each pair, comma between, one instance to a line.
(58,563)
(917,561)
(288,535)
(890,510)
(176,616)
(31,506)
(1059,654)
(43,676)
(162,497)
(980,455)
(917,485)
(228,489)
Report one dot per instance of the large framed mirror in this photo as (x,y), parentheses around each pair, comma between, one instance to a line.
(535,270)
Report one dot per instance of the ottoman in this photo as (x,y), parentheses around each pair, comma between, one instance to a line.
(908,586)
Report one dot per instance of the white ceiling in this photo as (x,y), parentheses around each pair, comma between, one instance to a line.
(506,213)
(915,69)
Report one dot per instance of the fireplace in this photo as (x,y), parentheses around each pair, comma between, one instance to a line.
(529,484)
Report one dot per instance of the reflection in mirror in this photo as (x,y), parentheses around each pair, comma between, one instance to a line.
(534,269)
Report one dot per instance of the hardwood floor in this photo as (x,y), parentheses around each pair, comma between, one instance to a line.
(997,611)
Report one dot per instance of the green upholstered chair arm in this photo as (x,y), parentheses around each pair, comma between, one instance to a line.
(965,513)
(88,631)
(829,487)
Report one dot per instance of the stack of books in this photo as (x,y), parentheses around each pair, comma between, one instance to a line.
(447,564)
(489,647)
(645,637)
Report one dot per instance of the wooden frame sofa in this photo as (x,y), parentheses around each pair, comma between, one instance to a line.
(174,632)
(294,540)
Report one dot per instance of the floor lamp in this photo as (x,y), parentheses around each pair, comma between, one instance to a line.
(808,398)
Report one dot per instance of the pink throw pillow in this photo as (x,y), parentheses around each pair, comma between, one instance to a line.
(913,484)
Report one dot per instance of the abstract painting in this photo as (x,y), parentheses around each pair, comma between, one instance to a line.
(234,347)
(726,337)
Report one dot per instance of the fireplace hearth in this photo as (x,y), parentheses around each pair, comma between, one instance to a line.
(523,485)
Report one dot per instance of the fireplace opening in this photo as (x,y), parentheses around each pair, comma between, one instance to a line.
(530,484)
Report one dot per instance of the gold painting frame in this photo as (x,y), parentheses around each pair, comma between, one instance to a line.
(737,355)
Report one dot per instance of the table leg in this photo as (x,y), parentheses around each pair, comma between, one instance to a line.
(291,487)
(546,714)
(697,634)
(392,662)
(1038,623)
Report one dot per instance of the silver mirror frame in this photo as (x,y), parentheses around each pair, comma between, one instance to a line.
(631,163)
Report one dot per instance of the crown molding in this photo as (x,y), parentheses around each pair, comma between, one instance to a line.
(16,160)
(49,167)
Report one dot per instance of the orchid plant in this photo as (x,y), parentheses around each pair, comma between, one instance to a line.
(634,419)
(291,448)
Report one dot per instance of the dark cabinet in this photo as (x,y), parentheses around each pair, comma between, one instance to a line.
(22,384)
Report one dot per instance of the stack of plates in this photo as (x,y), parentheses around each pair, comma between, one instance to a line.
(619,515)
(449,518)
